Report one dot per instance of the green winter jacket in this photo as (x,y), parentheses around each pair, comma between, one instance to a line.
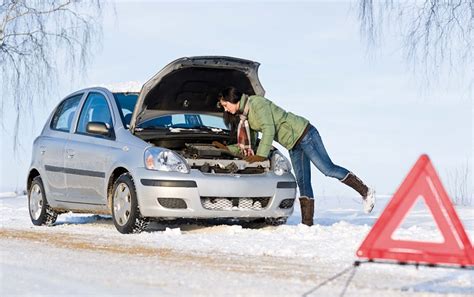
(273,122)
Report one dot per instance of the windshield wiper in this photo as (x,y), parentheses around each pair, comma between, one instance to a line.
(179,127)
(152,128)
(209,128)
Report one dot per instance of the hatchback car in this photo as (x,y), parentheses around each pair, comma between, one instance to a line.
(149,154)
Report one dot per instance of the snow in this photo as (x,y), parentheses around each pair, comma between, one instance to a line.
(123,87)
(84,254)
(8,194)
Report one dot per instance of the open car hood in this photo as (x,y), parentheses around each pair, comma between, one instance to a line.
(191,85)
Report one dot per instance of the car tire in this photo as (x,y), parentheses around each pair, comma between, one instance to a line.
(40,211)
(125,211)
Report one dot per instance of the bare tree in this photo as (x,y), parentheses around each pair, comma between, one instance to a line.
(460,187)
(437,33)
(40,40)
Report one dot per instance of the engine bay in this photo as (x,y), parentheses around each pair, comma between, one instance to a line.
(206,151)
(209,159)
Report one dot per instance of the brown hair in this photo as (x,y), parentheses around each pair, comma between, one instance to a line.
(232,95)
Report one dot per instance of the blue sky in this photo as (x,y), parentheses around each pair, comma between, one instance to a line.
(376,116)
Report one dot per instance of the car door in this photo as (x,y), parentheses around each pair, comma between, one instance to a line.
(51,147)
(88,155)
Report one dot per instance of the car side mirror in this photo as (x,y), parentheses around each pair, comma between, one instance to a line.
(98,128)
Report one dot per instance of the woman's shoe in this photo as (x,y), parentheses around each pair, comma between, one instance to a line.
(369,201)
(368,194)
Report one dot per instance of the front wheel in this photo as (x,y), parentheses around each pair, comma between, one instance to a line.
(40,212)
(125,212)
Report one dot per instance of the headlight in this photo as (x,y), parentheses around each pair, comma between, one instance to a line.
(280,164)
(164,160)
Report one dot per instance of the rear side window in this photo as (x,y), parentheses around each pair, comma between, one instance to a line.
(62,119)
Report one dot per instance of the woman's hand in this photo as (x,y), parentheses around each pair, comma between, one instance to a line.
(254,158)
(219,145)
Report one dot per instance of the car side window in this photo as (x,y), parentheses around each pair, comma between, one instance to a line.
(95,109)
(62,119)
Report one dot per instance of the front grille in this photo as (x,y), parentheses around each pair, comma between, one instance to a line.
(172,203)
(240,203)
(287,203)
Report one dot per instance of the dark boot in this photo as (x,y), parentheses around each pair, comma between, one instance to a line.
(354,182)
(368,194)
(307,210)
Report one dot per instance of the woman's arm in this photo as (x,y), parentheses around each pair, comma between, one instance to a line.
(233,148)
(264,114)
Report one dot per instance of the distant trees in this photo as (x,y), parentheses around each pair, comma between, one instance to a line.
(40,40)
(437,33)
(459,184)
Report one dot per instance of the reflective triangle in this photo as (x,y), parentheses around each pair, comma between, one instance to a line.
(417,232)
(422,181)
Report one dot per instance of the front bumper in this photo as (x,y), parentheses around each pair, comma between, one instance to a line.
(196,187)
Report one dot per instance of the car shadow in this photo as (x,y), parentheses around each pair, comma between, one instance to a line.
(189,225)
(186,225)
(84,219)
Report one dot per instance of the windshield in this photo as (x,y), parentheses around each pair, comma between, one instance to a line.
(185,121)
(126,103)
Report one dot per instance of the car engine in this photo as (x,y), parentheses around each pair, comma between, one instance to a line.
(212,160)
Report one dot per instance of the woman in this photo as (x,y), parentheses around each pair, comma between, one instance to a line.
(248,115)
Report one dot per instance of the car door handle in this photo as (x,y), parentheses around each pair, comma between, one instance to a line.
(42,149)
(70,153)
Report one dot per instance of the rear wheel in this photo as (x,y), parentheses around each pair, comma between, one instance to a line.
(125,211)
(40,212)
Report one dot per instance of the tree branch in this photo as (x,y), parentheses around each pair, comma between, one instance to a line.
(32,36)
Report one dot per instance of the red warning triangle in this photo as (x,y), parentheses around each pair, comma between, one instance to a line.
(421,183)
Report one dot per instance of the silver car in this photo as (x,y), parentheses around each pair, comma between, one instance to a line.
(149,154)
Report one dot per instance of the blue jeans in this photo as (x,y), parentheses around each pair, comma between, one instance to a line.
(311,148)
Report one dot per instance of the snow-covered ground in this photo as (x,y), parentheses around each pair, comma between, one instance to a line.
(85,255)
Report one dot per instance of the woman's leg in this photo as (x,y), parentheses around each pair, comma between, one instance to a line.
(302,168)
(313,147)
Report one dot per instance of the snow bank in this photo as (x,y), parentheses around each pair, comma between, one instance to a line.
(8,194)
(296,255)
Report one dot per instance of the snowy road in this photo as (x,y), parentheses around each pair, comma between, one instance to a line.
(85,255)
